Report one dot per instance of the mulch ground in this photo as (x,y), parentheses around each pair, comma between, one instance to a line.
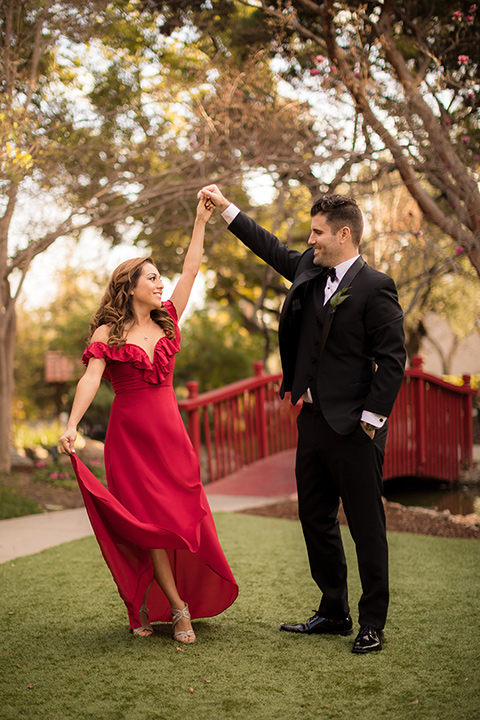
(419,521)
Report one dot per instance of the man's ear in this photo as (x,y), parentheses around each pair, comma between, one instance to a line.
(345,234)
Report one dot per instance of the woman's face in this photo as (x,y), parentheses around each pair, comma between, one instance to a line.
(149,288)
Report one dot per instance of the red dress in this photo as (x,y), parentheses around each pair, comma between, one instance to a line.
(155,498)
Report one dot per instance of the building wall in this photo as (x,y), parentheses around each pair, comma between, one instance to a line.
(465,358)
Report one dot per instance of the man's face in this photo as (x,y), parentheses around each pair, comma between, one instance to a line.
(327,250)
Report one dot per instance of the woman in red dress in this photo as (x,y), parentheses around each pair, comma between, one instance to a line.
(153,524)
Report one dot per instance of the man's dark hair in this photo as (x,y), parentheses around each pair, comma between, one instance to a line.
(340,211)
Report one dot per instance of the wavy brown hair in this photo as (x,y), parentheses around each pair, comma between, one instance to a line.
(116,307)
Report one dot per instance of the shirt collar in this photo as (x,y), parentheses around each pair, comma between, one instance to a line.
(342,268)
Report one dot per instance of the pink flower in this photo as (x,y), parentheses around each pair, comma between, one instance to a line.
(53,476)
(448,121)
(315,71)
(458,15)
(40,463)
(473,8)
(463,59)
(459,250)
(319,59)
(465,139)
(470,19)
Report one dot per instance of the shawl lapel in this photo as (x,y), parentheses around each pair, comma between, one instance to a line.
(328,312)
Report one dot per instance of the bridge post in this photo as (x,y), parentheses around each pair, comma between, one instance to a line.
(260,413)
(467,435)
(193,417)
(420,413)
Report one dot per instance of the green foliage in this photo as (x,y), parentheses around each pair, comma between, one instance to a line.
(12,502)
(51,473)
(95,420)
(458,380)
(42,433)
(62,325)
(216,350)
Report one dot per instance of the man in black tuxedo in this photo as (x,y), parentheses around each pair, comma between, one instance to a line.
(341,344)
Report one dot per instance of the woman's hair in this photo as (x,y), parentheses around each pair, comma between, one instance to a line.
(116,308)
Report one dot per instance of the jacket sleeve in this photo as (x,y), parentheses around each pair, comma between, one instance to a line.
(384,329)
(266,246)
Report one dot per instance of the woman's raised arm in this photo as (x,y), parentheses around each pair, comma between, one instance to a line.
(193,258)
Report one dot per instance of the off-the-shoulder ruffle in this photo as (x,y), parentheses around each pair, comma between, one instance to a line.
(153,373)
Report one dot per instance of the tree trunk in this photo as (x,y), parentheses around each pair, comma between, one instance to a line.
(7,350)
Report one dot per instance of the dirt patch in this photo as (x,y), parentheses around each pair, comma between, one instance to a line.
(46,495)
(419,521)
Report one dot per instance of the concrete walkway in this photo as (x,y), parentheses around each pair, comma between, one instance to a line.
(265,481)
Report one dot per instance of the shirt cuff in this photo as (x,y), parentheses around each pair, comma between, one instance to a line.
(373,419)
(230,213)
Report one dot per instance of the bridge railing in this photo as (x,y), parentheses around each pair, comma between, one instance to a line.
(239,423)
(430,429)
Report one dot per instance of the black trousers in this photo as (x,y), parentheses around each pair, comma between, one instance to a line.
(329,467)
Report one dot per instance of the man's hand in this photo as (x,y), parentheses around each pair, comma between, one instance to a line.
(212,193)
(368,429)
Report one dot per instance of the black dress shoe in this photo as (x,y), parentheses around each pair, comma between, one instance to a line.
(368,640)
(322,626)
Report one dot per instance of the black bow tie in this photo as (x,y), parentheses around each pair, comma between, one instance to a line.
(329,272)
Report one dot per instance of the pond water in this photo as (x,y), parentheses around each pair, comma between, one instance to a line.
(459,499)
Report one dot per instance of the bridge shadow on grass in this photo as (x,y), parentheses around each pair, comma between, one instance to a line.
(66,651)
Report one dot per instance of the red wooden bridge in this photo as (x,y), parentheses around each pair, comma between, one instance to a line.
(430,429)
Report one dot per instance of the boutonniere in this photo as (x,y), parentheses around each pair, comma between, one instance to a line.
(339,297)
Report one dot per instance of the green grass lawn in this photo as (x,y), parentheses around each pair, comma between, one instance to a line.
(66,652)
(13,504)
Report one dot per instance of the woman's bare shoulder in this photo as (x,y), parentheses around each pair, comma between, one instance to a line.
(101,334)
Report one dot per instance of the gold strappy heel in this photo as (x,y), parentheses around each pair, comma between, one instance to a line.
(144,630)
(184,636)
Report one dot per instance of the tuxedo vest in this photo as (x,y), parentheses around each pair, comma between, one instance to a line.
(311,319)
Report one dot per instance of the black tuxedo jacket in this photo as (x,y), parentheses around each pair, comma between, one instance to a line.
(362,363)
